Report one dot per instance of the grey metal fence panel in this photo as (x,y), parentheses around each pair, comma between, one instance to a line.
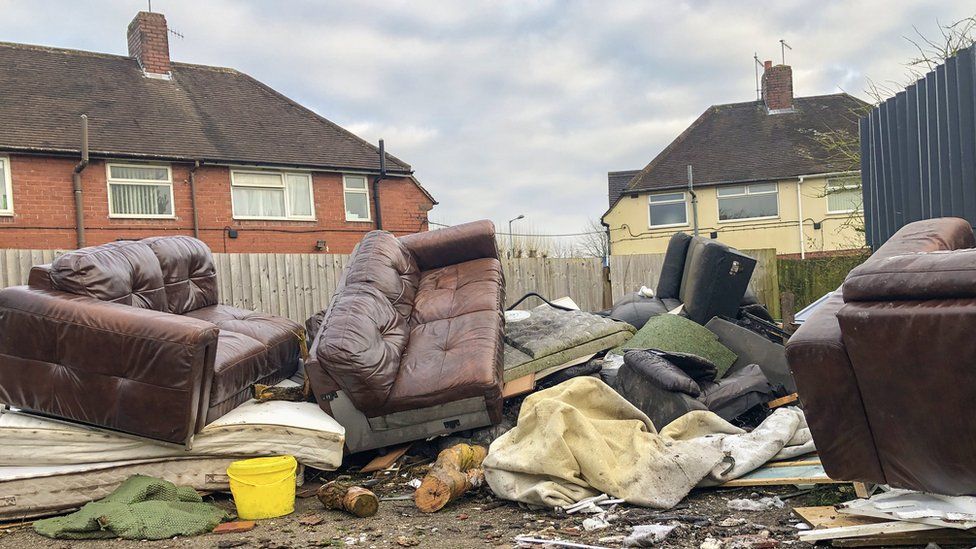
(918,151)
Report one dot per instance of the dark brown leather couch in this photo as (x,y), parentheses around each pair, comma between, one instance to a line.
(411,344)
(884,368)
(129,336)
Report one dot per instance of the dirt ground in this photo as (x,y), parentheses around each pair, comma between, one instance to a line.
(480,520)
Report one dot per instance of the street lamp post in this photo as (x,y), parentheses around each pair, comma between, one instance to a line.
(511,238)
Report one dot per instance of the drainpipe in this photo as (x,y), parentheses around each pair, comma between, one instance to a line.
(376,186)
(694,200)
(76,183)
(799,214)
(193,199)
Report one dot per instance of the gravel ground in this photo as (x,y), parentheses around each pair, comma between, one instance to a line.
(480,520)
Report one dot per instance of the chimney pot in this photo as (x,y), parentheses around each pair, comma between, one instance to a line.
(148,40)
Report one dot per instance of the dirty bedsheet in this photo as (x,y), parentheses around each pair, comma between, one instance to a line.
(580,439)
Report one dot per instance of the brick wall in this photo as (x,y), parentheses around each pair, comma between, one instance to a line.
(44,211)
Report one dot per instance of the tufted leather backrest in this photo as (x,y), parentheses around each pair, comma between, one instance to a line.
(366,326)
(189,275)
(121,272)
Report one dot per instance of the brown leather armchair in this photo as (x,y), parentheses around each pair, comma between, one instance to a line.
(411,344)
(129,336)
(884,368)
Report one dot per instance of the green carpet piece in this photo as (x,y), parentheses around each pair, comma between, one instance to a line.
(679,335)
(141,508)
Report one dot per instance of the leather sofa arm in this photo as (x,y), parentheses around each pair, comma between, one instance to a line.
(452,245)
(135,370)
(831,397)
(946,274)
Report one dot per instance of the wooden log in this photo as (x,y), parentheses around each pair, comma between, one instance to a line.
(457,470)
(353,499)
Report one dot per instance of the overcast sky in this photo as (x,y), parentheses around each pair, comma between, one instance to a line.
(507,108)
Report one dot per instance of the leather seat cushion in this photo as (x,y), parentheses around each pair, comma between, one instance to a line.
(240,362)
(456,290)
(281,336)
(448,360)
(383,262)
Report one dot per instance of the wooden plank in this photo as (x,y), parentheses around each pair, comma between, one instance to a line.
(826,516)
(783,401)
(519,386)
(386,460)
(863,530)
(789,475)
(864,490)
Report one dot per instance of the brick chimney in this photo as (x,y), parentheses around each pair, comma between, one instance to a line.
(149,43)
(777,87)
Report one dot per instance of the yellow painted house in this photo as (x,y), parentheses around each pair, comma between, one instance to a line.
(762,175)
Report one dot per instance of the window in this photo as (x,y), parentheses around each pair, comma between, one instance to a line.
(356,195)
(272,195)
(665,210)
(748,201)
(844,194)
(139,190)
(6,191)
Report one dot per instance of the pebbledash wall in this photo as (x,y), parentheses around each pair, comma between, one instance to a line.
(44,216)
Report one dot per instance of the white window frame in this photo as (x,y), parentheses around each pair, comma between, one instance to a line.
(7,182)
(746,192)
(364,190)
(684,200)
(828,188)
(284,188)
(154,183)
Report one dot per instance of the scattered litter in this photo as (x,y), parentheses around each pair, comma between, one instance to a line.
(352,540)
(415,483)
(906,505)
(731,522)
(646,535)
(802,526)
(596,522)
(406,541)
(761,504)
(526,541)
(587,505)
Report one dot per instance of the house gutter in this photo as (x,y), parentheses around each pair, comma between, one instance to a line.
(376,186)
(193,199)
(76,184)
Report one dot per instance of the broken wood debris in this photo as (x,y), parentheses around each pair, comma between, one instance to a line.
(353,499)
(456,470)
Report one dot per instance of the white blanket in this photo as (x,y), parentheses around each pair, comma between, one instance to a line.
(580,439)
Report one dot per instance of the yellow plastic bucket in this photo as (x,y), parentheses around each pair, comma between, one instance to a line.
(263,488)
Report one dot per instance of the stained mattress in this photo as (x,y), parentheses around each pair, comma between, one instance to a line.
(300,429)
(28,492)
(551,337)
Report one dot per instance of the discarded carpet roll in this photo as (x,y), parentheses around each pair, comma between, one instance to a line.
(141,508)
(580,439)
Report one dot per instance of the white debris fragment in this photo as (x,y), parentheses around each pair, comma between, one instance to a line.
(596,522)
(646,535)
(415,483)
(710,543)
(761,504)
(802,526)
(731,522)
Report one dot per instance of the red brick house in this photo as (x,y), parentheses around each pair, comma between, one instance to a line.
(177,148)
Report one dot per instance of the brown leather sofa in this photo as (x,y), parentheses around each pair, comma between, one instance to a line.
(884,367)
(411,344)
(129,336)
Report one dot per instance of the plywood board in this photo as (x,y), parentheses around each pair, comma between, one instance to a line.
(519,386)
(386,460)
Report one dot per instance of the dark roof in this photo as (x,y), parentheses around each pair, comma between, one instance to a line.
(740,142)
(617,182)
(203,113)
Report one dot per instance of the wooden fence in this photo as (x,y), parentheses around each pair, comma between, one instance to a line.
(299,285)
